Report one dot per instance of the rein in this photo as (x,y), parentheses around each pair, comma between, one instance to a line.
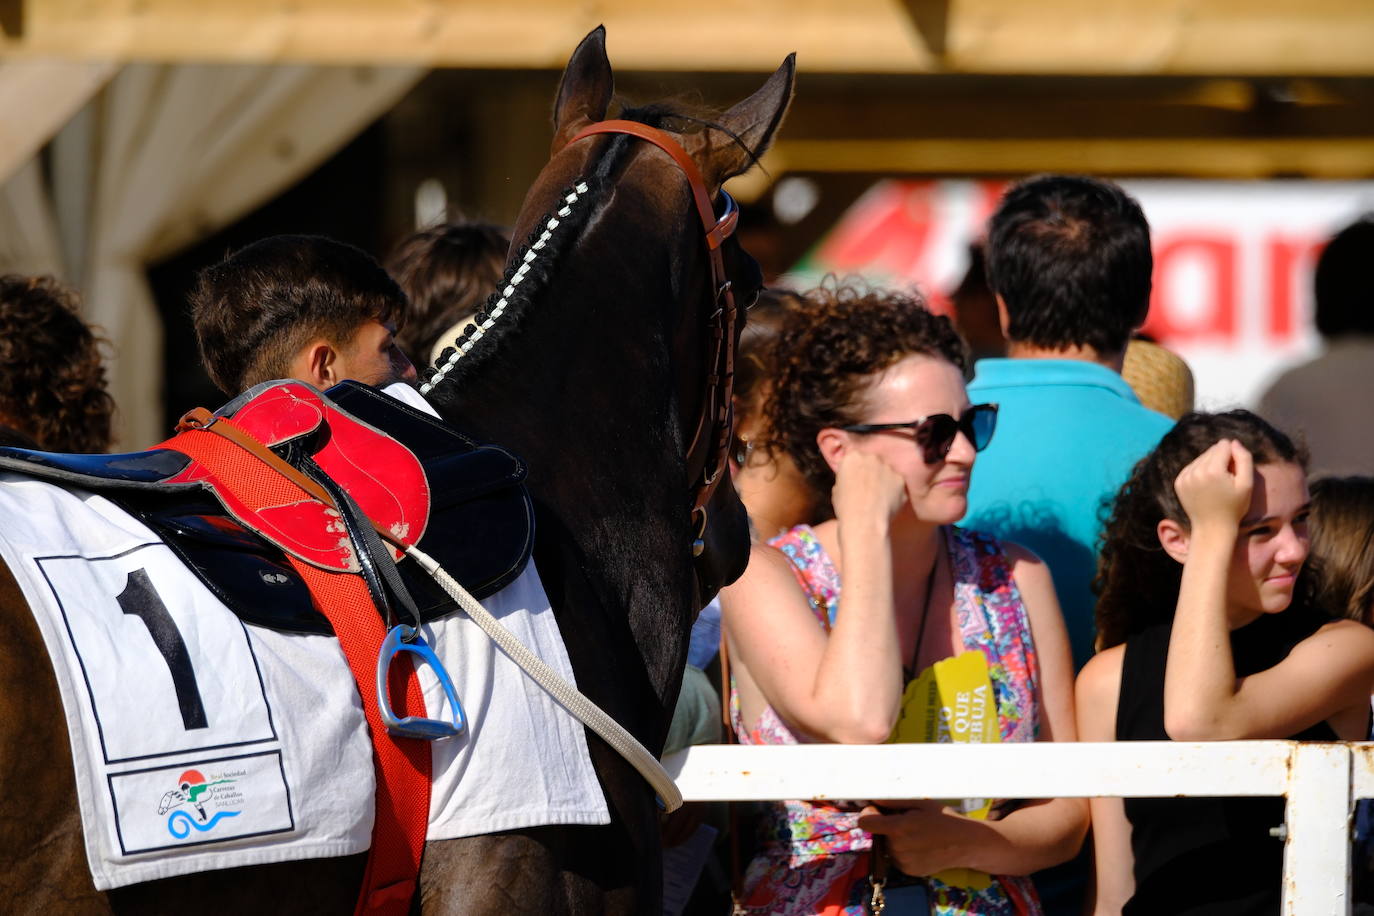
(711,438)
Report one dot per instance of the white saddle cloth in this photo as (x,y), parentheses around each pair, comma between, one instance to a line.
(200,742)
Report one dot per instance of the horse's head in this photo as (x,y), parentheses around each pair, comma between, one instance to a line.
(679,161)
(605,361)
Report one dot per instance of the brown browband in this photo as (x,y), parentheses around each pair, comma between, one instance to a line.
(720,372)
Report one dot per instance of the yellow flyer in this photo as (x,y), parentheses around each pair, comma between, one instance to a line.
(952,702)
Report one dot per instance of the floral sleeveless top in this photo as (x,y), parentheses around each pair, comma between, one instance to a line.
(813,858)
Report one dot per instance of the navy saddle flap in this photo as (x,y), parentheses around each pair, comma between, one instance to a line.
(480,529)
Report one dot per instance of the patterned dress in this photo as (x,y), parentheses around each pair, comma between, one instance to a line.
(813,858)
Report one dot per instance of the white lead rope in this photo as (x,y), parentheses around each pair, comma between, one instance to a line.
(568,696)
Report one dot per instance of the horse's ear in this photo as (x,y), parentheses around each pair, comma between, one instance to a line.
(754,121)
(585,91)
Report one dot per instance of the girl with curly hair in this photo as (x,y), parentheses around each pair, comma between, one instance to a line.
(52,375)
(831,622)
(1200,639)
(770,485)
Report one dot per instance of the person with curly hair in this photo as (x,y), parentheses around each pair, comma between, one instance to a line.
(1200,639)
(770,485)
(831,622)
(52,376)
(773,490)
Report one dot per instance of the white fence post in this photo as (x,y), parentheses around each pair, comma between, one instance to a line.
(1316,855)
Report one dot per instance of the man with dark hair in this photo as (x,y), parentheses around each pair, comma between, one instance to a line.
(303,307)
(1069,261)
(1327,400)
(52,374)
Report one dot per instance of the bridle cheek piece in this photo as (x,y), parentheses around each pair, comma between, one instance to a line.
(711,439)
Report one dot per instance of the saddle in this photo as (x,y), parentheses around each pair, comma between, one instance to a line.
(462,502)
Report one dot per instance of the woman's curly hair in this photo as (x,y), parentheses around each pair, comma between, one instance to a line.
(52,377)
(755,357)
(827,353)
(1137,582)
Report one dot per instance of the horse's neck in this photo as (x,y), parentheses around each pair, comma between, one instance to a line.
(584,395)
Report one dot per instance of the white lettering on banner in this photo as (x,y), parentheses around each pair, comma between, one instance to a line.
(1233,274)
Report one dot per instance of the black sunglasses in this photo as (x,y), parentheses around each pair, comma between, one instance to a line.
(935,434)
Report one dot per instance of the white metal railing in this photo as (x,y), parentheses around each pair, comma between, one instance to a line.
(1321,782)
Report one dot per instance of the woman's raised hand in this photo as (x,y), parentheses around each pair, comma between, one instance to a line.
(1216,486)
(866,487)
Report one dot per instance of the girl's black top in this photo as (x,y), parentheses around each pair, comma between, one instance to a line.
(1204,855)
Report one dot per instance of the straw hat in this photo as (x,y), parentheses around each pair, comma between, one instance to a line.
(1160,378)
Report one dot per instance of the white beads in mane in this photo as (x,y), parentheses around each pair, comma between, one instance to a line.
(513,279)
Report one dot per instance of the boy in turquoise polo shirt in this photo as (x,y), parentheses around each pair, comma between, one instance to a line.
(1069,261)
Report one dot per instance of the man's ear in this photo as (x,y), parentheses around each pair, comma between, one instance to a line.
(1003,319)
(1174,538)
(316,363)
(832,442)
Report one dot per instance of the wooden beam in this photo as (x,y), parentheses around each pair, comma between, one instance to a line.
(1192,157)
(12,19)
(1076,37)
(525,34)
(931,20)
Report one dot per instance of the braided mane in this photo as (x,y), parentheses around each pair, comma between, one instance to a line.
(532,267)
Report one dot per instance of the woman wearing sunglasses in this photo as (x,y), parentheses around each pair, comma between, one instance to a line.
(831,622)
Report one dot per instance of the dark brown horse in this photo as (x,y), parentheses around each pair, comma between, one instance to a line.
(595,373)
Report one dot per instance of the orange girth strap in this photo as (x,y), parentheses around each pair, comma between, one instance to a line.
(402,764)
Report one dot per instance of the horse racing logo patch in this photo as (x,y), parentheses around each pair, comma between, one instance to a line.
(197,793)
(210,802)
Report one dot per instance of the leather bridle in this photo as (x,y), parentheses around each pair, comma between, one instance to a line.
(711,439)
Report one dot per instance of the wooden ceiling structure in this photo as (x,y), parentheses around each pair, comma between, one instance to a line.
(1060,37)
(1207,88)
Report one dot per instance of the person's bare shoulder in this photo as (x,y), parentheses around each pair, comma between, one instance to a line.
(1348,640)
(1096,694)
(768,574)
(1031,573)
(1103,670)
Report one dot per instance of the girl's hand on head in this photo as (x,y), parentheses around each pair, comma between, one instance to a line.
(867,487)
(1216,487)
